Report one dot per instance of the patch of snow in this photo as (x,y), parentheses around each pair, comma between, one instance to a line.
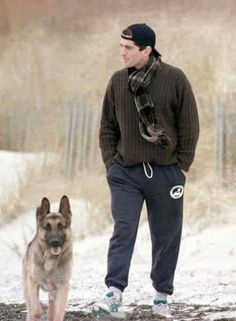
(200,278)
(206,272)
(13,172)
(227,315)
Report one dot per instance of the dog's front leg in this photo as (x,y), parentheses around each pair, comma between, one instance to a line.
(51,305)
(35,311)
(27,301)
(61,300)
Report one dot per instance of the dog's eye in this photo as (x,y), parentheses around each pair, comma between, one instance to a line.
(60,226)
(48,227)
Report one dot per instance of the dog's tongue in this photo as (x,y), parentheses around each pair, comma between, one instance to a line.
(56,250)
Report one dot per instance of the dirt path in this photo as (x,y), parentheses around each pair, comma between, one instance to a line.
(181,312)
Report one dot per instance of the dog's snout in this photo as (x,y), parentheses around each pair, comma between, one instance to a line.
(55,243)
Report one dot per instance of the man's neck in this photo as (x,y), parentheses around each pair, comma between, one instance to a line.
(141,65)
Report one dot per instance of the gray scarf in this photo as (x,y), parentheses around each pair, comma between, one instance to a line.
(149,126)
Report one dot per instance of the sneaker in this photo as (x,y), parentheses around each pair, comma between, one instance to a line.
(110,306)
(161,308)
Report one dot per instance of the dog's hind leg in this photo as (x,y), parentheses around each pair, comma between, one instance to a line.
(61,300)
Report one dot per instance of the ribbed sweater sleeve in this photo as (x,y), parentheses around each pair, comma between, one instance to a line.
(109,128)
(187,123)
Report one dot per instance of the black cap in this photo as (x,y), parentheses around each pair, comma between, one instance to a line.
(141,34)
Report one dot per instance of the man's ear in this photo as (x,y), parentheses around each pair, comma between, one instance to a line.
(148,51)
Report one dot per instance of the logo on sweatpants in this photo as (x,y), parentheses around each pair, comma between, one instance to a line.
(177,191)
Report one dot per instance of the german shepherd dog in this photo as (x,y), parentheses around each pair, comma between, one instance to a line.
(48,261)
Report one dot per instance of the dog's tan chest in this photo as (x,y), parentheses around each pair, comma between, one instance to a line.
(47,277)
(49,264)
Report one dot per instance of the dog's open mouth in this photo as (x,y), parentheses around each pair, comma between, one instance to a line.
(55,250)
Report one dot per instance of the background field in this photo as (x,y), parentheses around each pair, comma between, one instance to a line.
(55,60)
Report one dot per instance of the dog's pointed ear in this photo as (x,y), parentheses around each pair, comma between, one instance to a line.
(42,211)
(64,207)
(45,206)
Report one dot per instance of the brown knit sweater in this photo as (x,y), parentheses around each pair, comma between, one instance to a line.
(175,107)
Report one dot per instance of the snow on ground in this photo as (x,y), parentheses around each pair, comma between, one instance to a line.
(206,272)
(12,170)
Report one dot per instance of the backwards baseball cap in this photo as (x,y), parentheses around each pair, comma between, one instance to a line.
(142,35)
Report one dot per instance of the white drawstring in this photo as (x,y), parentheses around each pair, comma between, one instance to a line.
(145,170)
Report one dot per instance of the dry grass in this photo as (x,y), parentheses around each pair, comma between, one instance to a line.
(16,199)
(208,202)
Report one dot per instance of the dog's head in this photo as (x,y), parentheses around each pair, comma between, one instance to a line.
(54,229)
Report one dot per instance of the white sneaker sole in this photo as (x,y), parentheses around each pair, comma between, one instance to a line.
(101,310)
(167,316)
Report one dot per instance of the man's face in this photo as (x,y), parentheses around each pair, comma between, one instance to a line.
(131,55)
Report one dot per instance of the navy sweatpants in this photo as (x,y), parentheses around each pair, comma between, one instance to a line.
(163,194)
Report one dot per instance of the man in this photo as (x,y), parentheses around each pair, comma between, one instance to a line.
(148,136)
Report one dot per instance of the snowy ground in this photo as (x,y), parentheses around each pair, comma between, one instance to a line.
(206,273)
(13,169)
